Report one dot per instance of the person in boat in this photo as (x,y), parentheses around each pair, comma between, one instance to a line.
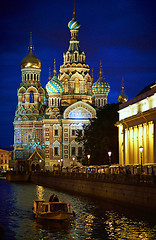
(53,198)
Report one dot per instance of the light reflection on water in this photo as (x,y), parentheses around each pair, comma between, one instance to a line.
(94,219)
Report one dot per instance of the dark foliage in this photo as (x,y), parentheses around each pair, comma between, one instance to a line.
(101,136)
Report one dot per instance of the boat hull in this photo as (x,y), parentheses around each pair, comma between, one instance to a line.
(54,216)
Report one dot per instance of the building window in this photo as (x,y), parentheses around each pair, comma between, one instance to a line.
(73,150)
(73,132)
(56,132)
(31,99)
(79,151)
(56,153)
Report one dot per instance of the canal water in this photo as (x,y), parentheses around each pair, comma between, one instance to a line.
(94,219)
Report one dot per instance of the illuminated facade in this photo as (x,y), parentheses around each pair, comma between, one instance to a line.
(137,128)
(46,120)
(5,157)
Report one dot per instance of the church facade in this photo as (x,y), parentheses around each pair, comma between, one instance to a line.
(47,119)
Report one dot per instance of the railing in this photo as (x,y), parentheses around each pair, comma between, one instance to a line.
(109,178)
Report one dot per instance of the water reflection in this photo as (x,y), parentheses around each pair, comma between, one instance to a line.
(94,219)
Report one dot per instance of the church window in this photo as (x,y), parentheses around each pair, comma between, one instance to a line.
(31,99)
(75,57)
(34,76)
(56,132)
(23,98)
(67,57)
(76,86)
(98,102)
(25,77)
(37,77)
(73,132)
(56,151)
(52,101)
(31,77)
(28,76)
(39,98)
(66,86)
(73,150)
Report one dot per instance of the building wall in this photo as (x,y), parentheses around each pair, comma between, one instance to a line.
(5,157)
(137,127)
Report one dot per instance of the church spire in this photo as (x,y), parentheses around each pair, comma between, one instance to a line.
(122,97)
(49,73)
(100,68)
(54,67)
(74,10)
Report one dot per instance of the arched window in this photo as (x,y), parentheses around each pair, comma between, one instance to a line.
(39,98)
(31,99)
(99,102)
(28,76)
(31,77)
(76,85)
(75,57)
(66,86)
(23,98)
(52,101)
(34,76)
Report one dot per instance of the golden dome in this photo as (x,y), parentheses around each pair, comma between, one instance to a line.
(31,61)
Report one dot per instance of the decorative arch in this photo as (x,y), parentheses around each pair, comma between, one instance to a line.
(33,89)
(80,110)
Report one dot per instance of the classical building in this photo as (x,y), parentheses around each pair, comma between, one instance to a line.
(137,129)
(5,158)
(46,119)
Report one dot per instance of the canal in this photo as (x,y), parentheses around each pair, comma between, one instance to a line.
(94,219)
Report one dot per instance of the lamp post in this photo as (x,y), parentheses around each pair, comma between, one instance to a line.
(141,150)
(109,154)
(73,161)
(61,164)
(88,156)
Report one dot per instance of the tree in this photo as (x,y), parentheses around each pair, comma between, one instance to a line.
(101,136)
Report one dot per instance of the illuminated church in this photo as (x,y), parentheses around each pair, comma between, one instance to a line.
(46,119)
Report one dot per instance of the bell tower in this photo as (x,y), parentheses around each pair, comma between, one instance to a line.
(30,108)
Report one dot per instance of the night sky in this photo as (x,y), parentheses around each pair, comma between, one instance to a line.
(122,34)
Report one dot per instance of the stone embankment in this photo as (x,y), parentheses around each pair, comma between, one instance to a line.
(134,190)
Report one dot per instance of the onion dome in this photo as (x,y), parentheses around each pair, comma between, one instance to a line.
(54,85)
(100,86)
(73,24)
(31,61)
(122,97)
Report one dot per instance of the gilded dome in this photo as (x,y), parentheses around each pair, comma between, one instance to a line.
(31,61)
(54,86)
(100,87)
(73,24)
(122,97)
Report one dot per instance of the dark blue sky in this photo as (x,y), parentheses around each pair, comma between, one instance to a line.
(122,34)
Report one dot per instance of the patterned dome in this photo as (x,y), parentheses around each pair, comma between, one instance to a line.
(31,61)
(100,87)
(54,86)
(73,24)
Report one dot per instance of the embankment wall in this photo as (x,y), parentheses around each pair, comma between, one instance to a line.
(135,194)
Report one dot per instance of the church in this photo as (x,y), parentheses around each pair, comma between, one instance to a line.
(47,118)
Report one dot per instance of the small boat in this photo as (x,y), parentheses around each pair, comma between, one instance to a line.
(52,210)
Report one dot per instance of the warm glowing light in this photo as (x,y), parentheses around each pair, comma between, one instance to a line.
(88,156)
(109,154)
(141,149)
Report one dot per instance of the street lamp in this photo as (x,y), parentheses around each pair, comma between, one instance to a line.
(73,161)
(109,154)
(141,150)
(61,164)
(88,156)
